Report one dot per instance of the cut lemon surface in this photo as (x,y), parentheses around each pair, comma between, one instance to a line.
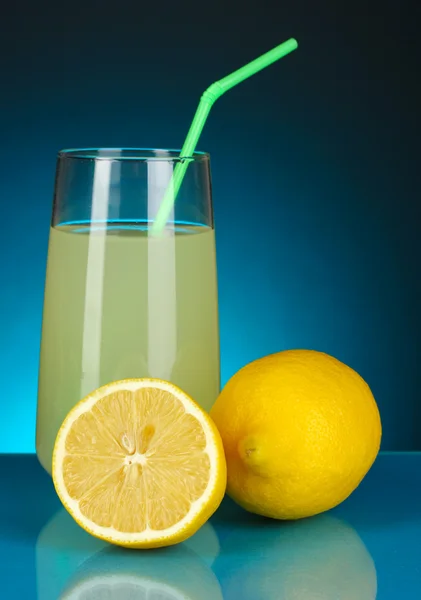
(138,463)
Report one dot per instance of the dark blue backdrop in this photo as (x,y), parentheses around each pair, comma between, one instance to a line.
(314,169)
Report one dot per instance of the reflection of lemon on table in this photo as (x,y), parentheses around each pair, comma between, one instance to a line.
(62,546)
(169,574)
(300,431)
(321,558)
(63,549)
(137,463)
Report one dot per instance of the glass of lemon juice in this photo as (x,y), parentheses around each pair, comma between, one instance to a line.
(122,301)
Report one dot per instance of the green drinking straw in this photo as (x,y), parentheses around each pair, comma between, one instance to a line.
(206,102)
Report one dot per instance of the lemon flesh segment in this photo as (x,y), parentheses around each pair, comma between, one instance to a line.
(138,463)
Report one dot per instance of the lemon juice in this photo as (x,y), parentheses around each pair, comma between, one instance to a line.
(121,303)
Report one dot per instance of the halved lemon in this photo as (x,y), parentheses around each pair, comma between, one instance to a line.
(139,464)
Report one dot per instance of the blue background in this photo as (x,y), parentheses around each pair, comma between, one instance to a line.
(314,163)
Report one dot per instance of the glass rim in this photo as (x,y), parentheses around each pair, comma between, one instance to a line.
(132,154)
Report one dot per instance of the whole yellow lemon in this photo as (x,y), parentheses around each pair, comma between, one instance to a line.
(300,431)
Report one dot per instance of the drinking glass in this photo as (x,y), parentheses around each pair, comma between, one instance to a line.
(121,302)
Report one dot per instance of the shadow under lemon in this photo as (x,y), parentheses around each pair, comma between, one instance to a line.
(71,564)
(319,558)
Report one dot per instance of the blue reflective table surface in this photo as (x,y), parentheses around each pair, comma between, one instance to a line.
(369,547)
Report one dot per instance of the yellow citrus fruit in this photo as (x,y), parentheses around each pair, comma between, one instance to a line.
(139,464)
(300,431)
